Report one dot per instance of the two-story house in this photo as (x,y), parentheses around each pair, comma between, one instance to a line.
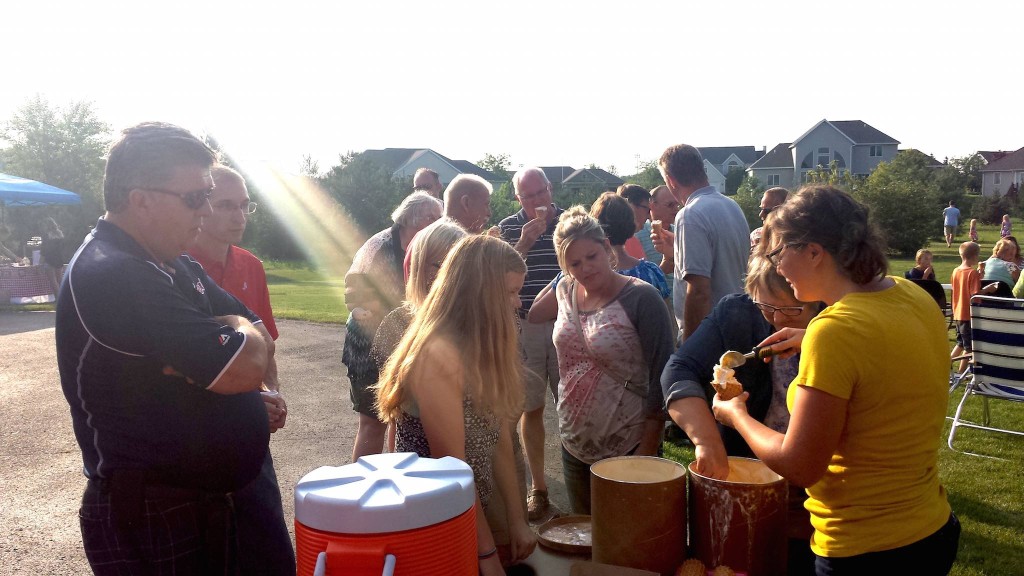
(852,144)
(998,175)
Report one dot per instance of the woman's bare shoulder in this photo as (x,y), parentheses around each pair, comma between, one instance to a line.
(440,356)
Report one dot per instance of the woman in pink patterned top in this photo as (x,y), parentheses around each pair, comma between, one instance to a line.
(609,394)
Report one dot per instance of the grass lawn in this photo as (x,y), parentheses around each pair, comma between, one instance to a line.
(944,259)
(299,292)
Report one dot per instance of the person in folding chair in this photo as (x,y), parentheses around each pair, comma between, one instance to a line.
(869,400)
(997,366)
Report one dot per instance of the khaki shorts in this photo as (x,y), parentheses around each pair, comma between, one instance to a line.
(541,363)
(949,230)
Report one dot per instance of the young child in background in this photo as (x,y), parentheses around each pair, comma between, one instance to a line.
(966,282)
(923,270)
(1007,228)
(1000,268)
(973,232)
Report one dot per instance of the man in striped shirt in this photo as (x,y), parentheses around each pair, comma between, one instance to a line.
(531,231)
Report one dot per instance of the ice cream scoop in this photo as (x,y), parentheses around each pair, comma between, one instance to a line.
(734,358)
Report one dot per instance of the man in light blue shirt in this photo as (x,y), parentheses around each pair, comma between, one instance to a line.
(711,239)
(950,220)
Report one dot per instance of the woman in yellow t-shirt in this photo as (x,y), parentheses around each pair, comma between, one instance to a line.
(870,400)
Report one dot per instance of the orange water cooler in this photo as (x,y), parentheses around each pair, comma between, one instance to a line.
(387,514)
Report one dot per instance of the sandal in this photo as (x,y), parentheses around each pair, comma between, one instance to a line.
(537,504)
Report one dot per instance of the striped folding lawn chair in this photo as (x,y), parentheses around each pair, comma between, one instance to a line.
(997,368)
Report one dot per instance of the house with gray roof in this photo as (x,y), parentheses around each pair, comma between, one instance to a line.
(719,160)
(776,167)
(572,180)
(404,162)
(556,174)
(593,176)
(998,175)
(853,145)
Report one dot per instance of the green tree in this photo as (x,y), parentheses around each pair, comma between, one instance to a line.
(748,196)
(63,147)
(503,203)
(833,176)
(497,164)
(365,190)
(648,176)
(969,167)
(733,180)
(903,200)
(309,167)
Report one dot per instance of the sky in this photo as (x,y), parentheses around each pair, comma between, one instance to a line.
(547,83)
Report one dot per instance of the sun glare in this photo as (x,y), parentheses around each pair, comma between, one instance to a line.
(318,224)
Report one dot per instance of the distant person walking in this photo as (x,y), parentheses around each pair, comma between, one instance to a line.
(52,252)
(1007,228)
(950,220)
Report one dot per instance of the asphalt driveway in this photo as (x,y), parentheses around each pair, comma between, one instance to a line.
(40,464)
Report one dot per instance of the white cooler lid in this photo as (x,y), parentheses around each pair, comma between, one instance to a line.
(384,493)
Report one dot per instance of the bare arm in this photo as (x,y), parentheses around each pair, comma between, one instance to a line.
(437,386)
(698,302)
(785,342)
(273,401)
(693,416)
(802,454)
(521,539)
(247,369)
(545,306)
(650,441)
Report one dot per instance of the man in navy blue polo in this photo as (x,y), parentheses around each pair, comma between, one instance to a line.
(160,367)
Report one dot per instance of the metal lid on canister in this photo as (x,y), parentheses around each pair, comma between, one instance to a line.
(384,493)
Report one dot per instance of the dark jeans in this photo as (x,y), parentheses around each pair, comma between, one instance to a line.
(577,482)
(264,546)
(929,556)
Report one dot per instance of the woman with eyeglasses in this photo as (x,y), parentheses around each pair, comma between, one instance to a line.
(868,404)
(740,322)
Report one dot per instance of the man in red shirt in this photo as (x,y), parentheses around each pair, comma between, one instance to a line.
(234,269)
(264,545)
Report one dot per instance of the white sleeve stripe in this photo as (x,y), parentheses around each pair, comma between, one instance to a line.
(74,300)
(230,362)
(88,415)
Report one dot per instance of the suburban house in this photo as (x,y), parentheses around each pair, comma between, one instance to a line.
(999,175)
(569,179)
(853,145)
(719,160)
(403,163)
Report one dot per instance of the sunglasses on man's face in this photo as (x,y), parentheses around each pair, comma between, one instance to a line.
(193,200)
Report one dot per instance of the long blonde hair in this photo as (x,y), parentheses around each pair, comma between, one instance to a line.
(468,305)
(428,248)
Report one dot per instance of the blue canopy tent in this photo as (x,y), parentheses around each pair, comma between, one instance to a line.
(17,191)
